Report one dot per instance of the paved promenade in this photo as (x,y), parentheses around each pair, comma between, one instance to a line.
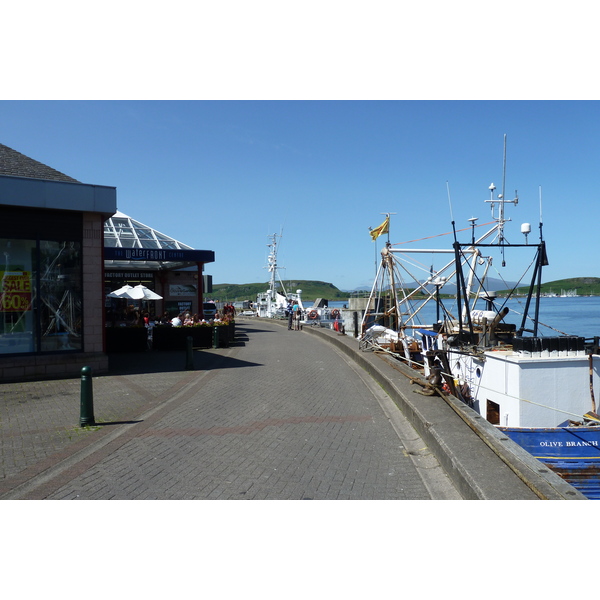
(278,415)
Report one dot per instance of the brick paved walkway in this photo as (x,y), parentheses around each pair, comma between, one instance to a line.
(281,415)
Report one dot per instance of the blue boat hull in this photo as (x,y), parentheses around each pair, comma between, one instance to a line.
(572,452)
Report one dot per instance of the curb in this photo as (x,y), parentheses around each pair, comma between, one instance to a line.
(459,449)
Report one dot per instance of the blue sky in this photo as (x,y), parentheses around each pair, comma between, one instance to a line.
(224,175)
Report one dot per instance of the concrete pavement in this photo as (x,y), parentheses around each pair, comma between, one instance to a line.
(279,415)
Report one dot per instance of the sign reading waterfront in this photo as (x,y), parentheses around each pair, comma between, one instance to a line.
(151,254)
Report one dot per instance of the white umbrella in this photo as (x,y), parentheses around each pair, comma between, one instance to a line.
(122,292)
(141,292)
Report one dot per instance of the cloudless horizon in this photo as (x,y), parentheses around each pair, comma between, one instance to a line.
(225,175)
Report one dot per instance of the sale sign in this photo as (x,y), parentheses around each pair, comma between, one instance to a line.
(15,291)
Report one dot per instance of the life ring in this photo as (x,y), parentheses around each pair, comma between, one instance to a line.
(313,314)
(335,313)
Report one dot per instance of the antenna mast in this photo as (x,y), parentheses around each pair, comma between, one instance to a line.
(273,268)
(272,262)
(501,201)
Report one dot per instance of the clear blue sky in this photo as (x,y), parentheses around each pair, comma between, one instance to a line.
(223,175)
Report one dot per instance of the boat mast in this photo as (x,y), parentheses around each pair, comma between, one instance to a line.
(272,264)
(501,201)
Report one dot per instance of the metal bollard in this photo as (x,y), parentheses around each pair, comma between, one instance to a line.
(215,336)
(189,353)
(86,411)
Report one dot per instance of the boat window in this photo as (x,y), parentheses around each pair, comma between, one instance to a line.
(478,372)
(493,413)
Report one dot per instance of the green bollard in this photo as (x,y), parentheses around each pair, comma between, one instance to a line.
(189,353)
(215,336)
(86,411)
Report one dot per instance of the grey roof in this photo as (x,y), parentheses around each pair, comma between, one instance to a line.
(18,165)
(29,183)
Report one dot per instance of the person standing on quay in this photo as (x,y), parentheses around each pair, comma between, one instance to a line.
(297,315)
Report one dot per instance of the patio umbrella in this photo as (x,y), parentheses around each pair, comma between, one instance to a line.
(122,292)
(141,292)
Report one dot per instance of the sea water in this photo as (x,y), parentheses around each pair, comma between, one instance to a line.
(578,315)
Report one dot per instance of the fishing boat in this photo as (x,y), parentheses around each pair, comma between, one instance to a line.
(534,383)
(272,303)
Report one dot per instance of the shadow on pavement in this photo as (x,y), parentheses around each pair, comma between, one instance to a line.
(102,424)
(246,328)
(168,361)
(154,361)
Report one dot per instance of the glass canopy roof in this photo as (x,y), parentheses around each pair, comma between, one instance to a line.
(121,231)
(130,244)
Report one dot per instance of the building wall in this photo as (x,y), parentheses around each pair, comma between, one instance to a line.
(61,365)
(181,288)
(51,302)
(93,283)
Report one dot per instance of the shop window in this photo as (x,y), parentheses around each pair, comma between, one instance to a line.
(40,296)
(61,311)
(17,297)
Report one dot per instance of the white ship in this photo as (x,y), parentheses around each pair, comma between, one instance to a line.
(272,303)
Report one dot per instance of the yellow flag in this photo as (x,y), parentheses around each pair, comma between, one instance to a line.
(383,228)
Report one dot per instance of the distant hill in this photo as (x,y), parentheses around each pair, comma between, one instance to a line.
(232,292)
(585,286)
(492,284)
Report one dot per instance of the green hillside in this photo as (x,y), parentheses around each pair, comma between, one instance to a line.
(585,286)
(232,292)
